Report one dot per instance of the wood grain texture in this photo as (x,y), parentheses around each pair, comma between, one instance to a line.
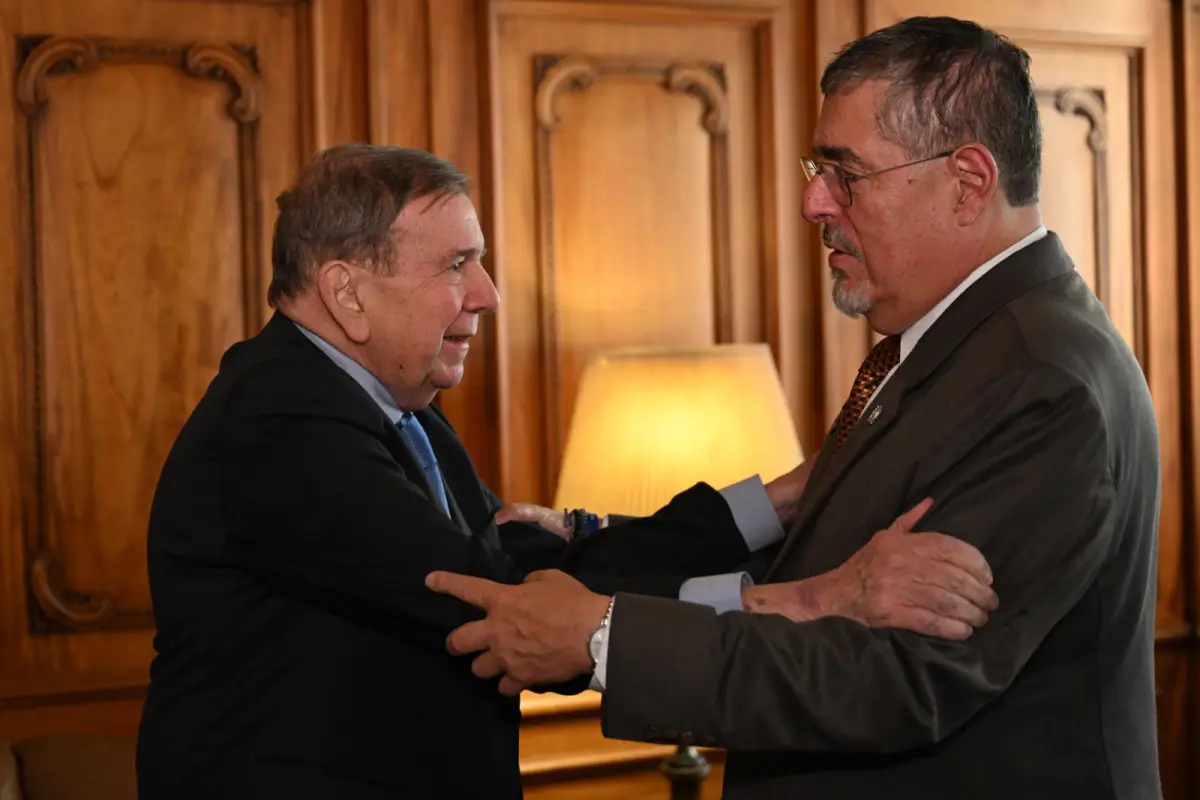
(141,244)
(118,713)
(136,251)
(339,106)
(248,2)
(119,355)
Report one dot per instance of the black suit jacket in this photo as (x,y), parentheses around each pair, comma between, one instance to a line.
(299,653)
(1028,420)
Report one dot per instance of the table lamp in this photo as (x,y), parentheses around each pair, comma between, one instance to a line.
(650,422)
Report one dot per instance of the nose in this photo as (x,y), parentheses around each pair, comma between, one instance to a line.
(482,295)
(818,205)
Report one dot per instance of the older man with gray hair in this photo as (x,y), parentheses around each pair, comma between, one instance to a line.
(1002,390)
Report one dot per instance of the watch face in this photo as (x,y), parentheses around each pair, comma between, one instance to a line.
(594,646)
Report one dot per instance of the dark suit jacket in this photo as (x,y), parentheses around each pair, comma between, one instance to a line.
(1028,420)
(299,653)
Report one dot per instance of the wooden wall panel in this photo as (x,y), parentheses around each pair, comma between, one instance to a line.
(142,260)
(125,323)
(634,210)
(137,250)
(334,51)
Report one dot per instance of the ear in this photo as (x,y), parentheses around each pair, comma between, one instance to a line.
(976,180)
(338,285)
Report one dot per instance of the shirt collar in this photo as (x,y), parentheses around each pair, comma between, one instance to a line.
(361,375)
(910,337)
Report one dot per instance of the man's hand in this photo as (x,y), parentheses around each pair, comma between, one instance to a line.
(785,491)
(925,582)
(535,633)
(551,520)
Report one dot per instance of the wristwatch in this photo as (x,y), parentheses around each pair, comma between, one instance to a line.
(581,523)
(597,636)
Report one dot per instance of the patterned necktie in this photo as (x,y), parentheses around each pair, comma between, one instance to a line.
(417,439)
(878,363)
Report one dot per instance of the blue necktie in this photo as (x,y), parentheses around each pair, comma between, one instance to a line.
(415,435)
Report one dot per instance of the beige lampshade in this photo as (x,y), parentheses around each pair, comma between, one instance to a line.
(649,423)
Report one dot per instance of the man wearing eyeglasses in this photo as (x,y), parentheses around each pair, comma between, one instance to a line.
(1000,389)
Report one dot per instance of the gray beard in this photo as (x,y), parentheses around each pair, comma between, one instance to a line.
(853,303)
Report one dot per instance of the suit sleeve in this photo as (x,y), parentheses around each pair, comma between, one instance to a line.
(694,534)
(316,504)
(1029,484)
(533,549)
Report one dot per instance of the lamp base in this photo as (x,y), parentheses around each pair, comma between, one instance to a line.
(685,771)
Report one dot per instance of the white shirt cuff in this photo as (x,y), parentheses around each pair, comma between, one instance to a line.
(753,513)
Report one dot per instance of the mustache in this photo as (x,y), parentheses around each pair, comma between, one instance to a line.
(834,239)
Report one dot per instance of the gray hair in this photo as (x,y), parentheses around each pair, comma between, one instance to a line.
(343,204)
(951,82)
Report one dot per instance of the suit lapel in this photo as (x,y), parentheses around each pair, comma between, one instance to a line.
(877,418)
(1029,267)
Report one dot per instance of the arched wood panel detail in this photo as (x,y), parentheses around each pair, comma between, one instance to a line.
(556,75)
(66,305)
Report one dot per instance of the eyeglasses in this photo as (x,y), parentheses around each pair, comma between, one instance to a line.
(838,180)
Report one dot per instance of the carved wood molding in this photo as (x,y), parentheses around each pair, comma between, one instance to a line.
(556,75)
(48,583)
(220,62)
(1090,104)
(46,57)
(57,607)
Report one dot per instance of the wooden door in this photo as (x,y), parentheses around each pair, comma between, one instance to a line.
(151,138)
(1104,75)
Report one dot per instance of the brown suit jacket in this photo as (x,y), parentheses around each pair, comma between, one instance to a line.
(1025,416)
